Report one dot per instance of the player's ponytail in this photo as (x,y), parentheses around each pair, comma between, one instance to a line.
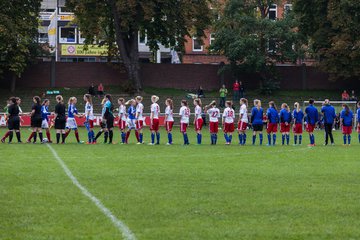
(184,102)
(229,104)
(44,102)
(60,99)
(88,98)
(198,101)
(347,109)
(130,101)
(244,101)
(285,106)
(257,103)
(170,103)
(154,98)
(121,101)
(272,104)
(13,100)
(297,107)
(37,99)
(71,100)
(139,98)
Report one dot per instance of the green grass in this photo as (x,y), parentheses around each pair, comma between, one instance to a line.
(177,192)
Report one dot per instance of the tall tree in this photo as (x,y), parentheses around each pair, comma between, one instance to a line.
(165,22)
(252,41)
(18,36)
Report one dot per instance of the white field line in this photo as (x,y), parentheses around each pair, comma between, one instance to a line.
(121,226)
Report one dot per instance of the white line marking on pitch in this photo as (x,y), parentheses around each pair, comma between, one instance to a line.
(126,232)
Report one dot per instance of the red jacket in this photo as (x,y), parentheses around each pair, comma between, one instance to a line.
(236,86)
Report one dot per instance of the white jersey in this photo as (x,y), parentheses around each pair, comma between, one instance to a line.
(243,112)
(89,111)
(139,110)
(214,114)
(169,114)
(122,112)
(198,112)
(185,114)
(229,115)
(155,110)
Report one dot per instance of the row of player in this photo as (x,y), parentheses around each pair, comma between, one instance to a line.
(131,118)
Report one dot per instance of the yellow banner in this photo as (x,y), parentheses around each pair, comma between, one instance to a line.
(79,50)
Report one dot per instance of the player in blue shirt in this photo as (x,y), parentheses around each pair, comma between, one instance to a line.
(285,123)
(346,121)
(273,120)
(71,121)
(131,112)
(312,117)
(257,120)
(358,119)
(329,116)
(298,117)
(45,118)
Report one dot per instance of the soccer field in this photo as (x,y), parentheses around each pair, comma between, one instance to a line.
(180,192)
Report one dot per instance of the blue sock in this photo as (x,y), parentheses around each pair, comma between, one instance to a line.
(199,138)
(254,139)
(170,137)
(184,135)
(89,137)
(152,138)
(141,137)
(269,138)
(300,139)
(283,139)
(212,138)
(226,137)
(241,138)
(157,138)
(230,138)
(187,139)
(359,137)
(123,135)
(93,136)
(313,139)
(244,139)
(295,139)
(215,138)
(287,139)
(274,139)
(261,138)
(344,138)
(349,139)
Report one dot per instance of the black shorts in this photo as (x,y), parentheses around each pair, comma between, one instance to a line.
(110,122)
(258,127)
(14,123)
(36,122)
(60,123)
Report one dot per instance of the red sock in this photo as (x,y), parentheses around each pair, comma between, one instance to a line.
(6,135)
(137,136)
(31,136)
(67,133)
(77,136)
(127,137)
(48,135)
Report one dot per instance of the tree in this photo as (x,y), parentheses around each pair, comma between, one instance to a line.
(164,22)
(332,28)
(252,41)
(18,36)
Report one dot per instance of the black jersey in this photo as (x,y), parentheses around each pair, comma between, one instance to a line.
(37,110)
(13,110)
(60,110)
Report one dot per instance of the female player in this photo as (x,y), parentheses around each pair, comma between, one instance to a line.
(298,117)
(139,120)
(312,117)
(243,121)
(198,120)
(13,120)
(89,115)
(358,120)
(71,122)
(184,121)
(102,125)
(60,119)
(108,118)
(169,119)
(273,120)
(214,114)
(122,119)
(346,121)
(154,120)
(228,119)
(131,118)
(36,120)
(285,123)
(257,121)
(45,118)
(6,113)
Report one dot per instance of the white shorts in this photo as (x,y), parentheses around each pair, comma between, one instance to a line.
(131,123)
(44,124)
(71,123)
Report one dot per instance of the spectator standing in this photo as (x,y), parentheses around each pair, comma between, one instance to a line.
(236,91)
(353,96)
(329,116)
(345,96)
(200,92)
(100,90)
(92,90)
(223,93)
(241,89)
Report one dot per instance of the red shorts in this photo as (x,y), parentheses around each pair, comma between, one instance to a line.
(214,127)
(155,125)
(242,126)
(284,128)
(358,129)
(122,124)
(272,128)
(183,127)
(310,128)
(298,128)
(169,126)
(139,124)
(198,124)
(91,123)
(347,130)
(229,127)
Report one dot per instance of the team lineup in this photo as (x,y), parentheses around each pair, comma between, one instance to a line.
(130,115)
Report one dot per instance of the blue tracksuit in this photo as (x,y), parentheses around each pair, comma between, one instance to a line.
(285,116)
(298,116)
(329,114)
(257,116)
(272,115)
(312,115)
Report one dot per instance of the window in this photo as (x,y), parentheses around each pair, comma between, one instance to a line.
(142,38)
(67,35)
(43,38)
(273,12)
(212,38)
(197,44)
(81,40)
(287,9)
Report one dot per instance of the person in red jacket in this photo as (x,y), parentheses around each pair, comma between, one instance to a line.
(236,91)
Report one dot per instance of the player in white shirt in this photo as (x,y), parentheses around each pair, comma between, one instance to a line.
(214,115)
(139,121)
(198,121)
(228,119)
(154,120)
(184,121)
(169,119)
(89,115)
(122,119)
(243,121)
